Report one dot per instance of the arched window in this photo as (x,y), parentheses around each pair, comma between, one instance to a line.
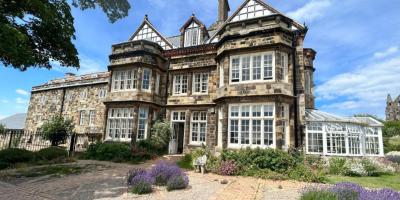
(192,35)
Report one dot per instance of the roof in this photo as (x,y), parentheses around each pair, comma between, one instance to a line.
(16,121)
(320,116)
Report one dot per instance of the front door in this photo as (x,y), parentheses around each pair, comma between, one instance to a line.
(176,143)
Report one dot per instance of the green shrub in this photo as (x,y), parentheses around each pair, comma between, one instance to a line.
(142,188)
(161,134)
(370,168)
(318,195)
(2,129)
(51,154)
(116,152)
(10,157)
(337,166)
(57,130)
(275,160)
(306,174)
(151,147)
(186,162)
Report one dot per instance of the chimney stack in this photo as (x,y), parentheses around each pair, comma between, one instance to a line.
(69,74)
(223,9)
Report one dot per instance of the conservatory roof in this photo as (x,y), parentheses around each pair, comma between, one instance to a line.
(320,116)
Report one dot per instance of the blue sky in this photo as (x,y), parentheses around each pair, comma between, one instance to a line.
(358,45)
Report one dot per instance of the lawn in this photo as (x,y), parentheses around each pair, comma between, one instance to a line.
(383,181)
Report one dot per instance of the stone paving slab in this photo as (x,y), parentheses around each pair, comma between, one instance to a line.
(110,184)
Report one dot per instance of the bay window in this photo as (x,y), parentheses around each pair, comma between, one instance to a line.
(200,83)
(284,66)
(92,117)
(123,80)
(120,123)
(251,125)
(198,127)
(252,67)
(180,84)
(146,79)
(142,123)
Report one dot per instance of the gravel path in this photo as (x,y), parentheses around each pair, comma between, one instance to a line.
(110,184)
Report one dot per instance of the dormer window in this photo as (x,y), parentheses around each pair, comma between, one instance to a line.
(192,35)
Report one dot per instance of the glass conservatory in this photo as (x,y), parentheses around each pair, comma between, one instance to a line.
(332,135)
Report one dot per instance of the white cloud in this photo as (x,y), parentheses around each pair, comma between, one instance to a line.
(22,92)
(20,100)
(310,11)
(4,101)
(387,52)
(2,116)
(362,90)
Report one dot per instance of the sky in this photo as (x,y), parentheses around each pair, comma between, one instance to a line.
(357,44)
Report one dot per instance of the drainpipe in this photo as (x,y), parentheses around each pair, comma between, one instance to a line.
(296,117)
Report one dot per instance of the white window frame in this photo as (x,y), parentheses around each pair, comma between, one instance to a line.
(144,79)
(120,124)
(157,87)
(252,117)
(202,83)
(82,117)
(198,122)
(372,133)
(92,117)
(192,35)
(252,67)
(120,77)
(312,128)
(285,66)
(180,116)
(285,126)
(142,118)
(179,84)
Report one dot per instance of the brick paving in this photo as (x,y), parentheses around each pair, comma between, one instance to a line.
(110,184)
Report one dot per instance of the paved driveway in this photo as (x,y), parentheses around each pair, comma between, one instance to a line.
(111,184)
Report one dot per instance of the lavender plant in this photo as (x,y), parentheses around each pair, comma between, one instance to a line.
(133,173)
(348,191)
(177,182)
(162,171)
(141,184)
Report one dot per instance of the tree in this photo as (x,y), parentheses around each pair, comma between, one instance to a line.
(161,133)
(34,33)
(391,128)
(57,130)
(2,129)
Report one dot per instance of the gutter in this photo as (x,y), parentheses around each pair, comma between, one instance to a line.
(296,106)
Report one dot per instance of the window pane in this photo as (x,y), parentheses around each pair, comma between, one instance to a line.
(235,70)
(246,68)
(245,111)
(256,132)
(268,67)
(256,67)
(245,137)
(268,132)
(234,131)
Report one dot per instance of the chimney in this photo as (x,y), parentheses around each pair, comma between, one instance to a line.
(69,74)
(223,9)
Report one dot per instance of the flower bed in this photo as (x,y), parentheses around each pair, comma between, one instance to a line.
(347,191)
(140,181)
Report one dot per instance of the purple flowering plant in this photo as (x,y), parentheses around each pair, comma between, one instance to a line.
(177,182)
(162,171)
(352,191)
(228,168)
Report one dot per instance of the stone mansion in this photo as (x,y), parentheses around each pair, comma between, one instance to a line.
(244,81)
(393,108)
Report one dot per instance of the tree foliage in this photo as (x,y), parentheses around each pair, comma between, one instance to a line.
(2,129)
(34,33)
(391,128)
(57,130)
(161,133)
